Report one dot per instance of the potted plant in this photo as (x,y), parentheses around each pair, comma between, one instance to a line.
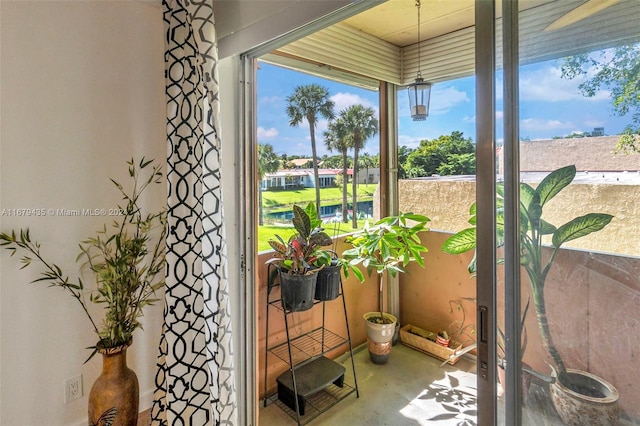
(127,260)
(572,390)
(388,246)
(299,259)
(329,278)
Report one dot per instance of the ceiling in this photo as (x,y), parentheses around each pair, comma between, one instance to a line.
(396,21)
(377,40)
(242,24)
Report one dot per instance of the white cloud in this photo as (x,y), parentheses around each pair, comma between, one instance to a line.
(409,141)
(446,98)
(267,133)
(472,118)
(546,84)
(541,124)
(272,100)
(343,101)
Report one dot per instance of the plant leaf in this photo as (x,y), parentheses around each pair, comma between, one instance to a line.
(580,226)
(460,242)
(555,182)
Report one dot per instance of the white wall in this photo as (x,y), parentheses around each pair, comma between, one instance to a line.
(82,91)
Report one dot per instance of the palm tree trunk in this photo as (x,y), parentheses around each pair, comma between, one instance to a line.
(354,221)
(344,186)
(260,214)
(314,155)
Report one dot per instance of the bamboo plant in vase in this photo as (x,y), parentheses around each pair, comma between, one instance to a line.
(126,259)
(580,397)
(386,247)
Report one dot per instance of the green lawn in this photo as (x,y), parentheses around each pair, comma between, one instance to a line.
(274,201)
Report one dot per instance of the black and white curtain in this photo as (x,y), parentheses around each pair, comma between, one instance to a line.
(195,382)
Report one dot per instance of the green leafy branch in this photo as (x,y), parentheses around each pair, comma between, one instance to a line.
(124,258)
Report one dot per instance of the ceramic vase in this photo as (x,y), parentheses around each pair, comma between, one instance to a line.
(114,396)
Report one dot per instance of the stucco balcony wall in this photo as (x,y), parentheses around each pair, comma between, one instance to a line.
(592,301)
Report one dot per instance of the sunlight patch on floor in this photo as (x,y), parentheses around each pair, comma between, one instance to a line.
(451,400)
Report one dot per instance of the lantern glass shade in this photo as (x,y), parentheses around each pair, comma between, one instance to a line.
(419,96)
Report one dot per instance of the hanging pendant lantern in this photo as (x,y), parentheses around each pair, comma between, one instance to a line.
(419,91)
(419,96)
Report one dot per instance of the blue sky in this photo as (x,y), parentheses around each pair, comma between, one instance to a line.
(550,106)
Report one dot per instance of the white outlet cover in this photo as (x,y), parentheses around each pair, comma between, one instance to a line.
(73,388)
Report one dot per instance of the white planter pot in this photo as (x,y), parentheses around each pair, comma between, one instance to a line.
(575,408)
(380,333)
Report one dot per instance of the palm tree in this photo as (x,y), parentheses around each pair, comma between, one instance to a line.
(268,162)
(336,138)
(307,103)
(361,124)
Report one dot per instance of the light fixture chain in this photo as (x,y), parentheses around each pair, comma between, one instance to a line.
(419,59)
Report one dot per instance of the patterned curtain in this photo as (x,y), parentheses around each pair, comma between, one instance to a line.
(195,382)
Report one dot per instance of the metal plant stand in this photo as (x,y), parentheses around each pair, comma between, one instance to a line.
(313,383)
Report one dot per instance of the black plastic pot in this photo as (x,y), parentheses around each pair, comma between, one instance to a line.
(328,285)
(297,291)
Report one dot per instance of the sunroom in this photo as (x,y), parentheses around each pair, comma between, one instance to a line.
(376,49)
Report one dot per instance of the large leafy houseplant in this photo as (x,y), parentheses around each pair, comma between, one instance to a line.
(302,254)
(533,228)
(388,246)
(126,259)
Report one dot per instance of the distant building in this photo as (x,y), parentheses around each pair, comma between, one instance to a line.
(300,178)
(594,154)
(302,163)
(598,131)
(369,175)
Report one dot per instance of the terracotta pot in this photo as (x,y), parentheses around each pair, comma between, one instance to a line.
(587,400)
(442,341)
(114,396)
(379,352)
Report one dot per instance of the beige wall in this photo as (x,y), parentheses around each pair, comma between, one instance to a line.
(434,297)
(590,154)
(447,202)
(591,297)
(82,91)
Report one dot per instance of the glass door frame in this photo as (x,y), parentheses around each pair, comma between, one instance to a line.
(485,52)
(487,26)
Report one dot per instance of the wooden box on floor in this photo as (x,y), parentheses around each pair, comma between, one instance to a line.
(427,346)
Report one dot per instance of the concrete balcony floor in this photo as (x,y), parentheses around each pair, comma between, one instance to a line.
(411,389)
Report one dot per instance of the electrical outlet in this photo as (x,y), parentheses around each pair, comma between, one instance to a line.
(73,388)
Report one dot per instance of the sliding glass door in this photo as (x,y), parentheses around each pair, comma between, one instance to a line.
(566,212)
